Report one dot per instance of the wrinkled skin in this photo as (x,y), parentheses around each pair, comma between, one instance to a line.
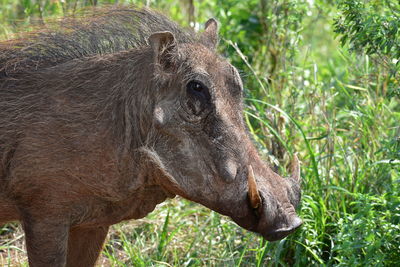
(89,142)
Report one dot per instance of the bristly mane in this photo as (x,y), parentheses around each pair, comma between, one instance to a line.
(98,32)
(51,75)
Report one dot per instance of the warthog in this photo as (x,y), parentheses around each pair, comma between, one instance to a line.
(104,116)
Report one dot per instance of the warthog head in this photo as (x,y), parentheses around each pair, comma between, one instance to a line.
(202,148)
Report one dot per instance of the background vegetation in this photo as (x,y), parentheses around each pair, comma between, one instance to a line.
(337,106)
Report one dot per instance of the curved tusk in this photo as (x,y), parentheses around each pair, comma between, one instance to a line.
(296,168)
(254,195)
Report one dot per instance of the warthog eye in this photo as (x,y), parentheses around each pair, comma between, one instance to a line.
(198,90)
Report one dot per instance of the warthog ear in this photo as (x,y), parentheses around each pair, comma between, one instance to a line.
(210,35)
(162,43)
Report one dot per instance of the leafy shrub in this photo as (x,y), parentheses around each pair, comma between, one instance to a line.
(372,27)
(370,236)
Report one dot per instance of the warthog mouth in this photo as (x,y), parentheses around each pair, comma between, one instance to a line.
(283,232)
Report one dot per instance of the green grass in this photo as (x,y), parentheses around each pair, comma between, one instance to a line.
(338,109)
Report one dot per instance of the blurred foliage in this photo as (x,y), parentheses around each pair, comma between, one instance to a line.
(337,106)
(372,27)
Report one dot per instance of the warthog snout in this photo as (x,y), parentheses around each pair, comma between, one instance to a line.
(273,211)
